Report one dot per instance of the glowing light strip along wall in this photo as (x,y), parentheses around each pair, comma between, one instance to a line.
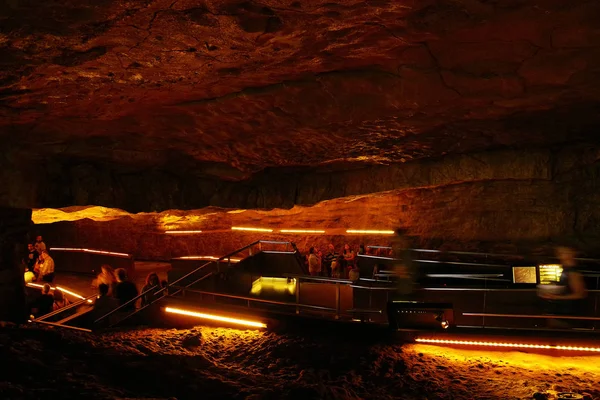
(62,289)
(182,232)
(301,231)
(370,232)
(234,260)
(254,324)
(509,345)
(110,253)
(241,228)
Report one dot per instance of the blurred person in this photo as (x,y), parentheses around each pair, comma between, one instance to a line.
(354,273)
(45,267)
(125,290)
(43,304)
(32,256)
(60,300)
(404,272)
(107,277)
(336,266)
(39,244)
(313,262)
(349,260)
(152,281)
(329,258)
(104,304)
(572,288)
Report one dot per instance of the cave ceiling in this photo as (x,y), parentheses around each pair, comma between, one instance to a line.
(231,88)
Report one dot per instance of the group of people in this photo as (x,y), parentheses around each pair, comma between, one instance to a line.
(334,264)
(115,289)
(47,302)
(39,266)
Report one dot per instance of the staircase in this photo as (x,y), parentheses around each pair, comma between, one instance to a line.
(188,284)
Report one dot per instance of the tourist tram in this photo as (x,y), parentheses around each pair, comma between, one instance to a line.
(266,282)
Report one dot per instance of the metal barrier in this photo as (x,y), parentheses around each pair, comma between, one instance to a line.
(161,292)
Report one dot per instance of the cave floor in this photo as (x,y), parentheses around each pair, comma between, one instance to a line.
(218,363)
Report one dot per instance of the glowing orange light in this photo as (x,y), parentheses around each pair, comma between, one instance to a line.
(233,260)
(110,253)
(182,232)
(370,232)
(241,228)
(301,231)
(509,345)
(62,289)
(254,324)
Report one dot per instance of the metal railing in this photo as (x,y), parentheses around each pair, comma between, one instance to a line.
(161,292)
(471,253)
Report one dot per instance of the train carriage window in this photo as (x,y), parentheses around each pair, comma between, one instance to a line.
(524,274)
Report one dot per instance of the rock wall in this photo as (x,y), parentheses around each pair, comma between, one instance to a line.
(488,200)
(14,225)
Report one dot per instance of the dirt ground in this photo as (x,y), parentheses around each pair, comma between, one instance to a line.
(219,363)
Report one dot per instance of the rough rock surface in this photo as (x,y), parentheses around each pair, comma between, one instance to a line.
(250,365)
(121,103)
(462,202)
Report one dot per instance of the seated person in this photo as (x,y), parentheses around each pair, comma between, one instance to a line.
(104,303)
(125,290)
(152,281)
(43,304)
(60,300)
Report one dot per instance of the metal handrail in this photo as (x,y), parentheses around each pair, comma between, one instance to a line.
(275,302)
(64,326)
(162,290)
(63,309)
(469,253)
(538,316)
(127,303)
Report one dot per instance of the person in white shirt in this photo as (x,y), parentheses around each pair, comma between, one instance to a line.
(46,266)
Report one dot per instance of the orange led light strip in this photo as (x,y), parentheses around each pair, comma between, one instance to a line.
(509,345)
(241,228)
(62,289)
(301,231)
(182,232)
(206,258)
(90,251)
(370,232)
(254,324)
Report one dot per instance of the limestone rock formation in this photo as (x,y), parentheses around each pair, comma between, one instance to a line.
(152,105)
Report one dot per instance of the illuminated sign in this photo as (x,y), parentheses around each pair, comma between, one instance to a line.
(277,285)
(550,273)
(524,275)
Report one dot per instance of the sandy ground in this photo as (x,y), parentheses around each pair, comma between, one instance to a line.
(219,363)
